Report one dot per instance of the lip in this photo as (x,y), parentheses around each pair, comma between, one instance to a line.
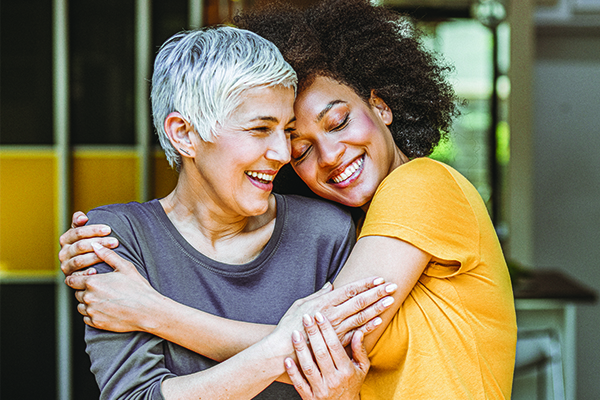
(259,183)
(349,180)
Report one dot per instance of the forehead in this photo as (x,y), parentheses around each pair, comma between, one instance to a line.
(265,102)
(320,96)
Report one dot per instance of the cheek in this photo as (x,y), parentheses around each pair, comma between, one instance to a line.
(365,129)
(306,172)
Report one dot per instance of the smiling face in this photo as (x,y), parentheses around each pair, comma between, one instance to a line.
(235,172)
(342,148)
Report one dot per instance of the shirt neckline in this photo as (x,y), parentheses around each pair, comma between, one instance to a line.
(217,266)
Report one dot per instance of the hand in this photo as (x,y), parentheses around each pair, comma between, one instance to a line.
(118,301)
(76,250)
(353,306)
(327,371)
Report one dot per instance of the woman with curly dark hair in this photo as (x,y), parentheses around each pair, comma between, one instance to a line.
(371,105)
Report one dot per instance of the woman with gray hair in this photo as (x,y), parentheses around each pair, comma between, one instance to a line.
(221,242)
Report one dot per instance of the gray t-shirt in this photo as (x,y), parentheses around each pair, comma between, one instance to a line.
(310,243)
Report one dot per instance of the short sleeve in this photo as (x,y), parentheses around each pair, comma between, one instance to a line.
(422,203)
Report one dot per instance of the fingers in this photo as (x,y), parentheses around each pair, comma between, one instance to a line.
(83,232)
(335,350)
(78,263)
(351,290)
(77,252)
(79,281)
(300,384)
(305,359)
(319,348)
(325,370)
(113,259)
(366,320)
(78,219)
(359,352)
(363,307)
(81,309)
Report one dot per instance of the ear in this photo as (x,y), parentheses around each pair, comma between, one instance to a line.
(381,108)
(180,132)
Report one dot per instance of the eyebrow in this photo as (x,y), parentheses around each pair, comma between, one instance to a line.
(267,118)
(271,119)
(327,108)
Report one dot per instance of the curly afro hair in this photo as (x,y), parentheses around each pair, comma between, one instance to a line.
(369,48)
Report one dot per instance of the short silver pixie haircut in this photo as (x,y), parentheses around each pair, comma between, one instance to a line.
(203,74)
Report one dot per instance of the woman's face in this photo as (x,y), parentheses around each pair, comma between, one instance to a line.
(342,147)
(237,169)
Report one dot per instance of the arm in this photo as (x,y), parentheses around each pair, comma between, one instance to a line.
(124,301)
(396,261)
(326,369)
(133,365)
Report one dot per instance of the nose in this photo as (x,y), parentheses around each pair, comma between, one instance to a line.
(330,152)
(279,148)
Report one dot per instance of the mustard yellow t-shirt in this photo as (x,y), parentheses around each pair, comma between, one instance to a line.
(454,336)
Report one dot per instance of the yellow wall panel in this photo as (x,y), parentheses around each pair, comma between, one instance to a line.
(28,241)
(103,177)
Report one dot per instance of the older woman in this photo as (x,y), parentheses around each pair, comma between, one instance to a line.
(371,106)
(221,242)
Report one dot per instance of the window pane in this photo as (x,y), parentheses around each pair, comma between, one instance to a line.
(467,45)
(102,78)
(26,69)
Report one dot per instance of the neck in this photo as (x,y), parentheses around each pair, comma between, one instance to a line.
(193,209)
(398,159)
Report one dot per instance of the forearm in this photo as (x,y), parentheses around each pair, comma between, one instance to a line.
(212,336)
(242,376)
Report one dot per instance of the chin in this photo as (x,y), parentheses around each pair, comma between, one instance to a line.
(258,208)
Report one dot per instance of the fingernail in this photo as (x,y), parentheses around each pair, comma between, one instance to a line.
(388,301)
(391,288)
(112,241)
(296,337)
(377,321)
(307,320)
(288,363)
(326,285)
(105,229)
(319,318)
(378,281)
(96,246)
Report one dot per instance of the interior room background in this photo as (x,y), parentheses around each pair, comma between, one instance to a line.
(76,133)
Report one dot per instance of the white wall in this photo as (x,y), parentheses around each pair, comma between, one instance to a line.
(567,175)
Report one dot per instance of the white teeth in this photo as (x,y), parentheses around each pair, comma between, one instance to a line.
(261,176)
(352,168)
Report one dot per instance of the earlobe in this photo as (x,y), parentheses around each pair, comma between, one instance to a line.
(179,131)
(381,108)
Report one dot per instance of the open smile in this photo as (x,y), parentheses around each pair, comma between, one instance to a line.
(350,173)
(262,180)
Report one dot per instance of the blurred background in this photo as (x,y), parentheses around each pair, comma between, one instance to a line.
(76,133)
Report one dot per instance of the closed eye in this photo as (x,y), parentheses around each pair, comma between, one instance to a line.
(343,124)
(299,155)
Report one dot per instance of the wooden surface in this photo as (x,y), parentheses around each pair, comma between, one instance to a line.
(552,284)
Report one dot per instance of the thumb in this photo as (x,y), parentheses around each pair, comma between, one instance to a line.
(114,260)
(359,352)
